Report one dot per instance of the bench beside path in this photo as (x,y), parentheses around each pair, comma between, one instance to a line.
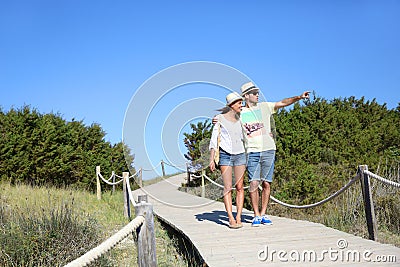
(205,224)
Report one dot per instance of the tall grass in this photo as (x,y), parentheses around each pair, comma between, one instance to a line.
(38,231)
(51,227)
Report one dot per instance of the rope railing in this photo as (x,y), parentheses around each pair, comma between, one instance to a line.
(133,175)
(143,224)
(162,163)
(108,181)
(99,177)
(130,194)
(175,166)
(337,193)
(146,241)
(111,242)
(362,174)
(112,175)
(381,179)
(367,196)
(217,184)
(296,206)
(152,169)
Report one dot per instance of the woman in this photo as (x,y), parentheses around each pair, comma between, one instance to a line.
(232,154)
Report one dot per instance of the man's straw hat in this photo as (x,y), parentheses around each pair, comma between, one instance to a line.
(247,87)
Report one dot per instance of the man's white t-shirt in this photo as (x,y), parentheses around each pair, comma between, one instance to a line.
(257,124)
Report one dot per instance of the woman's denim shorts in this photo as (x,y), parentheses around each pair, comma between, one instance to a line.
(226,159)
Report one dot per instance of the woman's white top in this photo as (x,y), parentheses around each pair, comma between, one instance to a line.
(231,136)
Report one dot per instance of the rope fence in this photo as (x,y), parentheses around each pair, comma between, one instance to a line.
(142,224)
(99,178)
(362,174)
(291,205)
(337,193)
(108,181)
(381,179)
(154,168)
(111,242)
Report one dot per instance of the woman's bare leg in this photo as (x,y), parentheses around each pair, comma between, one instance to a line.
(227,178)
(239,176)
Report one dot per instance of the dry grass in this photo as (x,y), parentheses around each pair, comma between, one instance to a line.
(346,212)
(107,213)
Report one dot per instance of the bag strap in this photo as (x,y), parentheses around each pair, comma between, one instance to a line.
(218,124)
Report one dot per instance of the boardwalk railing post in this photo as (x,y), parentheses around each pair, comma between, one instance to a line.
(113,180)
(188,174)
(162,168)
(140,177)
(142,198)
(146,242)
(98,182)
(127,205)
(203,189)
(368,202)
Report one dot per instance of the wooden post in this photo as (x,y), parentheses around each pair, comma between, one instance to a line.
(188,174)
(146,242)
(203,189)
(142,199)
(98,182)
(162,168)
(140,182)
(368,203)
(113,180)
(127,205)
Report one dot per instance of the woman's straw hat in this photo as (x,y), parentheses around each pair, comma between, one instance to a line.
(232,97)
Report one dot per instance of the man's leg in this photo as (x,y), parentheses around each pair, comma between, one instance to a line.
(255,197)
(253,170)
(265,194)
(267,170)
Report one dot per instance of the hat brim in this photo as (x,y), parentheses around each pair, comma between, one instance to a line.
(249,89)
(234,100)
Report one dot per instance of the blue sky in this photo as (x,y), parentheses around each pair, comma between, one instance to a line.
(87,59)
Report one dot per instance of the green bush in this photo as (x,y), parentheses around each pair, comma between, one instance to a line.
(44,149)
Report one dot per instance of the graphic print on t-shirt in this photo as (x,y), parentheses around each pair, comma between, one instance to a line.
(252,122)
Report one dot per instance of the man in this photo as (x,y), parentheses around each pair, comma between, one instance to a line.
(261,146)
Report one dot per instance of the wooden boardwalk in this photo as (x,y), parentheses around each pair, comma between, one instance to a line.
(287,242)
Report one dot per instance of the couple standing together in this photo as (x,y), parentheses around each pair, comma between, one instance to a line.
(244,139)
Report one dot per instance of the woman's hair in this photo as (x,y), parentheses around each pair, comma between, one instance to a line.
(226,109)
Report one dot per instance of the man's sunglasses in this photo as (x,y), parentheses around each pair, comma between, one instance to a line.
(255,92)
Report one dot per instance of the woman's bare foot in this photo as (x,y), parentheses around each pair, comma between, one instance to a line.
(239,222)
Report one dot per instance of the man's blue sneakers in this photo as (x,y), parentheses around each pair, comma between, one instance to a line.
(265,220)
(256,221)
